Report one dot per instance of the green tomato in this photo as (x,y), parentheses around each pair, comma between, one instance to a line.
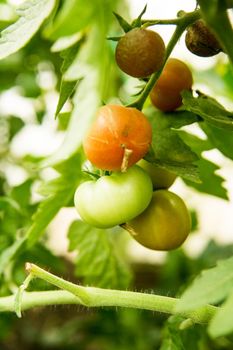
(161,178)
(115,199)
(164,225)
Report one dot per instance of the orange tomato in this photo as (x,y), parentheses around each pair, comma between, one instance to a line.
(116,130)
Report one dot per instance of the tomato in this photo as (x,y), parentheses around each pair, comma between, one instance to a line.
(116,130)
(115,199)
(164,225)
(201,41)
(161,178)
(175,77)
(140,52)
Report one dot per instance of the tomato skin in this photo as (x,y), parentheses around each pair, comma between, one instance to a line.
(115,199)
(201,41)
(164,225)
(161,178)
(117,128)
(140,52)
(175,77)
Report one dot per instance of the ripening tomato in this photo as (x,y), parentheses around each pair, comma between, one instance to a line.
(164,225)
(166,93)
(140,52)
(116,130)
(161,178)
(115,199)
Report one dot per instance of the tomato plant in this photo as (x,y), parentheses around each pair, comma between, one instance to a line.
(60,61)
(164,225)
(140,52)
(115,199)
(201,41)
(161,178)
(166,94)
(116,131)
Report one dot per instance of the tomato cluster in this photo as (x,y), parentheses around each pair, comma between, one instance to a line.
(118,140)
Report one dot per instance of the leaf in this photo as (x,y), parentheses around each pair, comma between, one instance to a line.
(22,193)
(63,120)
(86,103)
(73,16)
(59,192)
(31,16)
(168,149)
(222,322)
(212,286)
(175,337)
(66,90)
(67,87)
(123,23)
(137,22)
(211,183)
(220,138)
(208,109)
(9,253)
(172,336)
(66,42)
(114,38)
(97,261)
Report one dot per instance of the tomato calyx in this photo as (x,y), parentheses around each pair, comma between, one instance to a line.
(125,161)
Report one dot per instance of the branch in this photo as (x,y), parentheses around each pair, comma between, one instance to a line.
(97,297)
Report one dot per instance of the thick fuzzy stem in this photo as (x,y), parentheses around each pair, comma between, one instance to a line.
(98,297)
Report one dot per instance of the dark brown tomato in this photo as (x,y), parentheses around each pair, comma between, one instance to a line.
(200,40)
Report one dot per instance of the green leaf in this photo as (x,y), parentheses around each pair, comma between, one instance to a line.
(212,286)
(177,337)
(74,16)
(208,109)
(66,42)
(123,23)
(63,120)
(220,138)
(171,335)
(31,16)
(168,149)
(67,87)
(114,38)
(222,322)
(9,253)
(137,22)
(97,261)
(66,90)
(211,183)
(59,193)
(22,193)
(86,102)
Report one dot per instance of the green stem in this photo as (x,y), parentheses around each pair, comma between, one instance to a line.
(153,22)
(183,22)
(98,297)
